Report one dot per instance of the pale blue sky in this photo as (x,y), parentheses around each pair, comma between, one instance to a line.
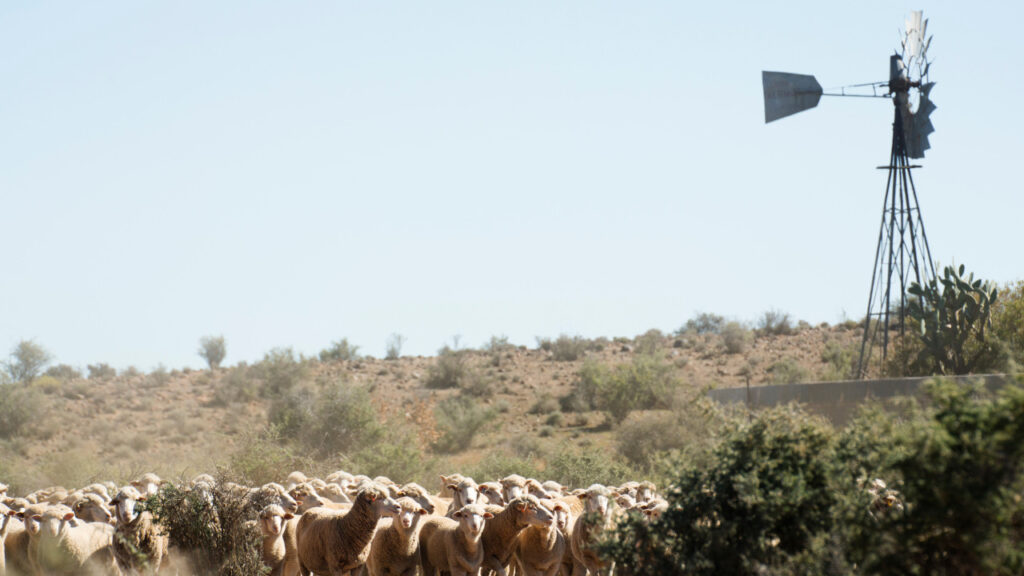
(291,173)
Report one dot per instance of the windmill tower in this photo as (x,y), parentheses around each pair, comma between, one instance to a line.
(902,255)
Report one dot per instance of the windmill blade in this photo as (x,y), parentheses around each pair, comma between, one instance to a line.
(786,94)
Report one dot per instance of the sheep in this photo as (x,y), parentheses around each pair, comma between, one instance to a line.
(19,536)
(294,479)
(334,492)
(646,492)
(492,491)
(654,508)
(148,484)
(540,550)
(62,545)
(463,493)
(513,486)
(534,487)
(447,481)
(97,489)
(502,532)
(595,519)
(338,544)
(138,543)
(455,544)
(395,547)
(203,479)
(272,524)
(269,493)
(626,501)
(6,517)
(553,487)
(420,495)
(92,508)
(3,488)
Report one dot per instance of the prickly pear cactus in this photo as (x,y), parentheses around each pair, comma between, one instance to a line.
(953,313)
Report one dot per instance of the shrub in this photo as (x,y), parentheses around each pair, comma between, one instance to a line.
(840,360)
(340,351)
(459,419)
(640,441)
(642,384)
(545,404)
(496,347)
(27,361)
(236,385)
(765,496)
(279,370)
(703,323)
(212,529)
(582,467)
(735,337)
(393,347)
(343,420)
(649,342)
(101,371)
(262,455)
(20,405)
(63,372)
(213,349)
(1008,319)
(774,323)
(450,369)
(398,457)
(787,371)
(501,463)
(565,348)
(291,412)
(589,381)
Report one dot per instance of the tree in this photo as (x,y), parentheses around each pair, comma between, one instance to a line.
(394,347)
(213,349)
(954,312)
(27,361)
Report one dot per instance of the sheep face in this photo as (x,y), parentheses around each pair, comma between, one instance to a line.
(465,492)
(513,486)
(55,521)
(93,510)
(595,499)
(492,490)
(278,495)
(380,500)
(124,504)
(471,519)
(410,513)
(419,494)
(272,519)
(532,511)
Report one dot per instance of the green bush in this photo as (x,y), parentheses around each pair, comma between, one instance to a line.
(26,361)
(101,371)
(344,420)
(1008,319)
(649,342)
(735,337)
(459,419)
(63,372)
(292,412)
(702,323)
(840,361)
(340,351)
(640,441)
(765,497)
(565,348)
(211,529)
(584,394)
(500,463)
(787,371)
(236,385)
(279,371)
(213,349)
(20,406)
(644,383)
(262,455)
(774,323)
(398,457)
(580,468)
(449,370)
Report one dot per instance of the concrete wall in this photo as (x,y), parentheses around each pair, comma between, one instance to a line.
(837,401)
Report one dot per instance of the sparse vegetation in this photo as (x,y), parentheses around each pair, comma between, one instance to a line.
(393,347)
(101,371)
(340,351)
(213,349)
(703,323)
(735,337)
(565,348)
(774,323)
(459,419)
(26,361)
(787,371)
(642,384)
(63,372)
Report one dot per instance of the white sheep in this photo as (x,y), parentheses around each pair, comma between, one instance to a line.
(493,492)
(596,518)
(330,543)
(454,545)
(148,484)
(63,545)
(6,520)
(272,525)
(464,493)
(138,544)
(513,486)
(90,507)
(395,547)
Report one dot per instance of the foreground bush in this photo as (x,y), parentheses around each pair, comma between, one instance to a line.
(209,527)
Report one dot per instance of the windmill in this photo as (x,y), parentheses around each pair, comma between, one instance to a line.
(902,255)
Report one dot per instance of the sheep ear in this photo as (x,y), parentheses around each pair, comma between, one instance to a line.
(488,515)
(558,507)
(616,494)
(457,514)
(68,516)
(521,506)
(421,511)
(371,497)
(288,516)
(37,518)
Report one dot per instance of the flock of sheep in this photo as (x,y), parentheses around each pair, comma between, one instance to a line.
(339,525)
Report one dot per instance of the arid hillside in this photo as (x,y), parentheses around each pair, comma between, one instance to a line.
(529,406)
